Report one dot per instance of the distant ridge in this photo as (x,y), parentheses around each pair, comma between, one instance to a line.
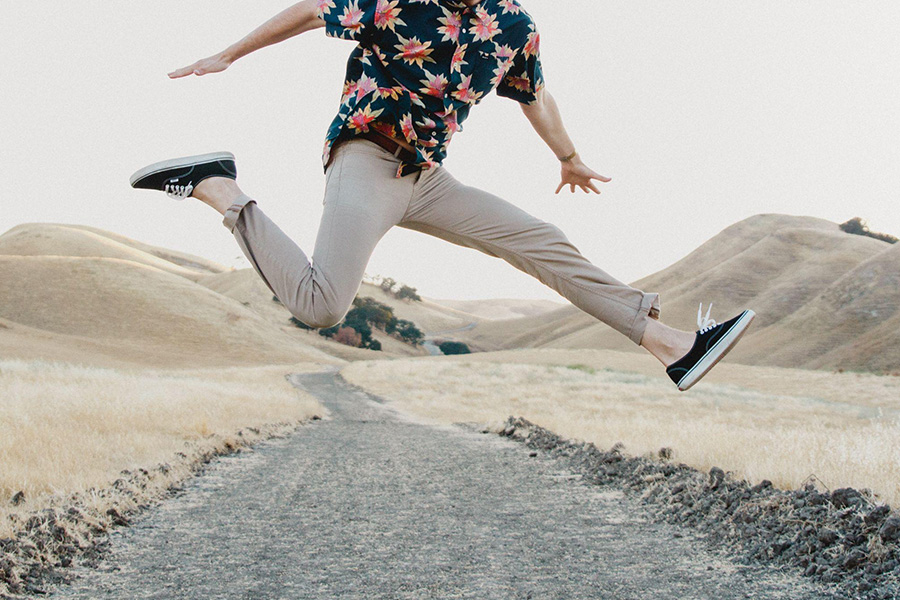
(824,298)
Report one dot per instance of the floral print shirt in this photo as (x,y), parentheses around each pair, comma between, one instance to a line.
(420,65)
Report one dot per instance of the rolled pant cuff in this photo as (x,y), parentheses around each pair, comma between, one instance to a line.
(234,211)
(649,308)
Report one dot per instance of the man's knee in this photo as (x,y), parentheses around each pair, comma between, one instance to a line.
(322,319)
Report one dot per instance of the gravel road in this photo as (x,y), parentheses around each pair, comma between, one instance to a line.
(369,504)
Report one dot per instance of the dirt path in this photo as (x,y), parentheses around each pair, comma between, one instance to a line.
(369,505)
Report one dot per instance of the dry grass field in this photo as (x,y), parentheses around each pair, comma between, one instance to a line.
(505,308)
(65,429)
(760,422)
(116,355)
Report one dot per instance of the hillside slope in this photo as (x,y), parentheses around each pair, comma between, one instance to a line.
(84,295)
(810,283)
(81,294)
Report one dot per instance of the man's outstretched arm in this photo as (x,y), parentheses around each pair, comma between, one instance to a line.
(291,21)
(547,122)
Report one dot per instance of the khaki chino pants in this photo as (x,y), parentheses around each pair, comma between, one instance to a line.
(363,200)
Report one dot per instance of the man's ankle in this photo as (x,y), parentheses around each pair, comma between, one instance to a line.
(217,192)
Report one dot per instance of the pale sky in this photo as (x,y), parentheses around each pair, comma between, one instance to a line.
(703,113)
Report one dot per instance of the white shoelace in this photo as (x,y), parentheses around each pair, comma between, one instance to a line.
(179,192)
(705,323)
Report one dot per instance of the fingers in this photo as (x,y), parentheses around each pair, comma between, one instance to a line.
(183,71)
(201,67)
(560,187)
(599,177)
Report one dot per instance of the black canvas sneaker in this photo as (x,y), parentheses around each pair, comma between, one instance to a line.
(713,341)
(178,177)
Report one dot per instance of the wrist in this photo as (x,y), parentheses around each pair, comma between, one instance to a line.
(231,54)
(568,157)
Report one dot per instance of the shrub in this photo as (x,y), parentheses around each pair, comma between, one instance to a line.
(348,336)
(408,292)
(454,348)
(356,319)
(330,332)
(391,326)
(365,314)
(857,226)
(387,285)
(376,313)
(408,332)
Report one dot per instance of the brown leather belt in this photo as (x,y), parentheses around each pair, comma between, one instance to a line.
(388,144)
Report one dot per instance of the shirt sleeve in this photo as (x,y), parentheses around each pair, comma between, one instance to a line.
(347,19)
(524,78)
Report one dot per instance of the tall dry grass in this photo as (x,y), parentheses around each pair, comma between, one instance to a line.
(759,435)
(65,429)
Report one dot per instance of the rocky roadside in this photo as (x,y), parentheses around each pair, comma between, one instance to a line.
(842,537)
(77,527)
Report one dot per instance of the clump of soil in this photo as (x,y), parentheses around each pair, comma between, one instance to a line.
(842,537)
(77,527)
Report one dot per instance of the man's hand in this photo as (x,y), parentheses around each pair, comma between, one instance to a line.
(292,21)
(214,64)
(575,172)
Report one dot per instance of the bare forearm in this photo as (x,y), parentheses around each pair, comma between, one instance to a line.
(288,23)
(547,122)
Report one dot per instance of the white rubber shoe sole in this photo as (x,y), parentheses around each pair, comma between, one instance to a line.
(178,163)
(722,346)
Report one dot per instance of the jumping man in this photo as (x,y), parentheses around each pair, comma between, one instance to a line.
(417,69)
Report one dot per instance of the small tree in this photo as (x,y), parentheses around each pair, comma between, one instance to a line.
(330,332)
(387,285)
(409,333)
(454,348)
(374,345)
(857,226)
(356,319)
(408,292)
(348,336)
(391,325)
(377,313)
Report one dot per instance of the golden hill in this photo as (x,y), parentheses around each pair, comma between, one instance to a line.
(43,239)
(86,296)
(824,298)
(81,294)
(501,308)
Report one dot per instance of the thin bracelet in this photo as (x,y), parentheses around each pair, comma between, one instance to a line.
(569,157)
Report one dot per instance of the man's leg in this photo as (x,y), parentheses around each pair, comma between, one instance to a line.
(470,217)
(362,202)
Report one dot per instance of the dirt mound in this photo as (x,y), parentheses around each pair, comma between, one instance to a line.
(841,537)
